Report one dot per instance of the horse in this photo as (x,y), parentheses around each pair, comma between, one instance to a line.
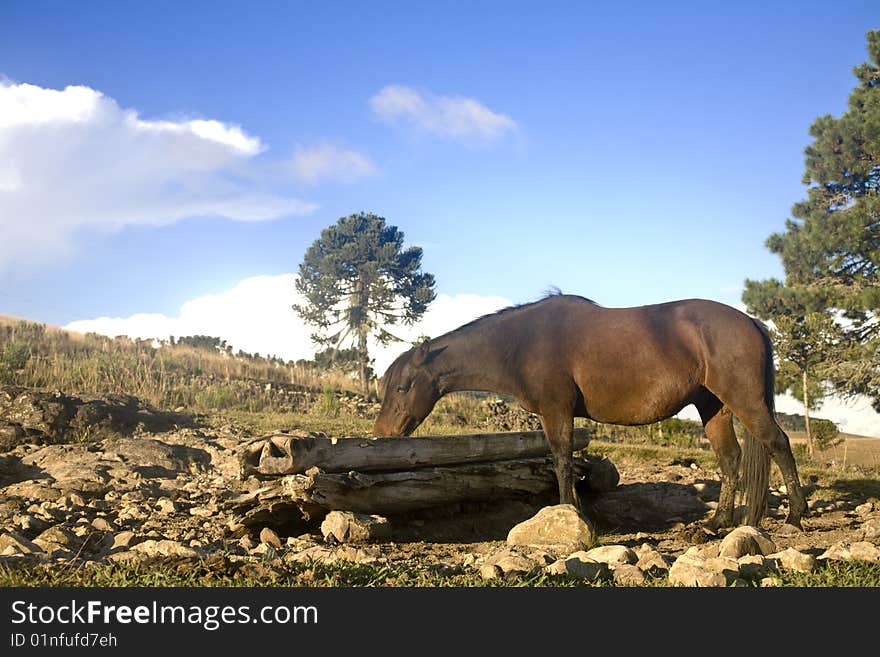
(565,356)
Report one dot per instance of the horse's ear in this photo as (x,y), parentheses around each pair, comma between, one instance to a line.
(424,354)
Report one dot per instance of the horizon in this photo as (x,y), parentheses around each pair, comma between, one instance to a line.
(164,168)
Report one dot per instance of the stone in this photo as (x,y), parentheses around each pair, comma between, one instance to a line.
(12,543)
(651,561)
(746,540)
(689,570)
(789,530)
(628,575)
(864,509)
(515,564)
(705,551)
(164,548)
(871,529)
(101,524)
(836,552)
(865,551)
(123,539)
(792,559)
(166,506)
(770,582)
(581,566)
(59,536)
(613,554)
(268,536)
(602,476)
(559,527)
(490,571)
(349,527)
(754,566)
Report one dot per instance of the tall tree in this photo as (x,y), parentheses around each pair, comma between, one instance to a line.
(357,279)
(805,339)
(831,246)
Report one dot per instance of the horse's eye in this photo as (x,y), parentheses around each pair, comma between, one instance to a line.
(404,387)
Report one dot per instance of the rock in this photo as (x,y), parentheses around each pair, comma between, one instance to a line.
(865,551)
(602,476)
(692,571)
(864,509)
(33,490)
(560,527)
(836,552)
(754,566)
(515,564)
(269,537)
(871,529)
(59,536)
(792,559)
(770,582)
(746,540)
(613,554)
(651,561)
(789,530)
(706,551)
(12,543)
(164,548)
(628,575)
(348,527)
(166,506)
(579,565)
(490,571)
(101,524)
(123,539)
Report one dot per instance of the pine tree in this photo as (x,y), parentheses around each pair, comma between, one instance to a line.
(830,248)
(357,279)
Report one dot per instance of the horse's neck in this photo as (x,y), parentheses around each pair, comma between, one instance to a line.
(470,362)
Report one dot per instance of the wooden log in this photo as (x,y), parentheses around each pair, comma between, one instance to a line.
(402,491)
(282,454)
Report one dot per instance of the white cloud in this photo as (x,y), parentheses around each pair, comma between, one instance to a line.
(329,162)
(72,160)
(256,316)
(453,117)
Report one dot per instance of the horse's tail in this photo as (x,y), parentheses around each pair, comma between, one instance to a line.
(755,478)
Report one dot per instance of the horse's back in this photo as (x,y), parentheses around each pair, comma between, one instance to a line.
(639,364)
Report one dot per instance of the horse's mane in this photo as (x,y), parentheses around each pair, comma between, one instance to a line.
(548,294)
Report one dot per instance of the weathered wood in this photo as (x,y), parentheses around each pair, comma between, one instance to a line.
(283,454)
(402,491)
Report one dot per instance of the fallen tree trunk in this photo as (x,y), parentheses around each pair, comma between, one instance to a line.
(288,454)
(403,491)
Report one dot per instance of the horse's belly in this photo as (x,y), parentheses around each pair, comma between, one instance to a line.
(636,404)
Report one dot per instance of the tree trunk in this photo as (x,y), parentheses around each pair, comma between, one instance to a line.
(408,490)
(283,454)
(363,360)
(807,415)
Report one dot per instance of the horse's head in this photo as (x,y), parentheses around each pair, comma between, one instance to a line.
(411,390)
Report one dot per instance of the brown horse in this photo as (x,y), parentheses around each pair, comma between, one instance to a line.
(564,357)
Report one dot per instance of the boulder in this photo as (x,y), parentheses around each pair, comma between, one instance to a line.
(746,540)
(613,554)
(792,559)
(349,527)
(559,527)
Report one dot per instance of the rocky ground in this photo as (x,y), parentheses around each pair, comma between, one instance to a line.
(139,485)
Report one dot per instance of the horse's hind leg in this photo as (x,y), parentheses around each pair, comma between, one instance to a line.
(718,425)
(763,427)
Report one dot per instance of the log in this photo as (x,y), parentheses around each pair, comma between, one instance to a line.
(286,454)
(403,491)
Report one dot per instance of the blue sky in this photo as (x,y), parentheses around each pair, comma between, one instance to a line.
(629,152)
